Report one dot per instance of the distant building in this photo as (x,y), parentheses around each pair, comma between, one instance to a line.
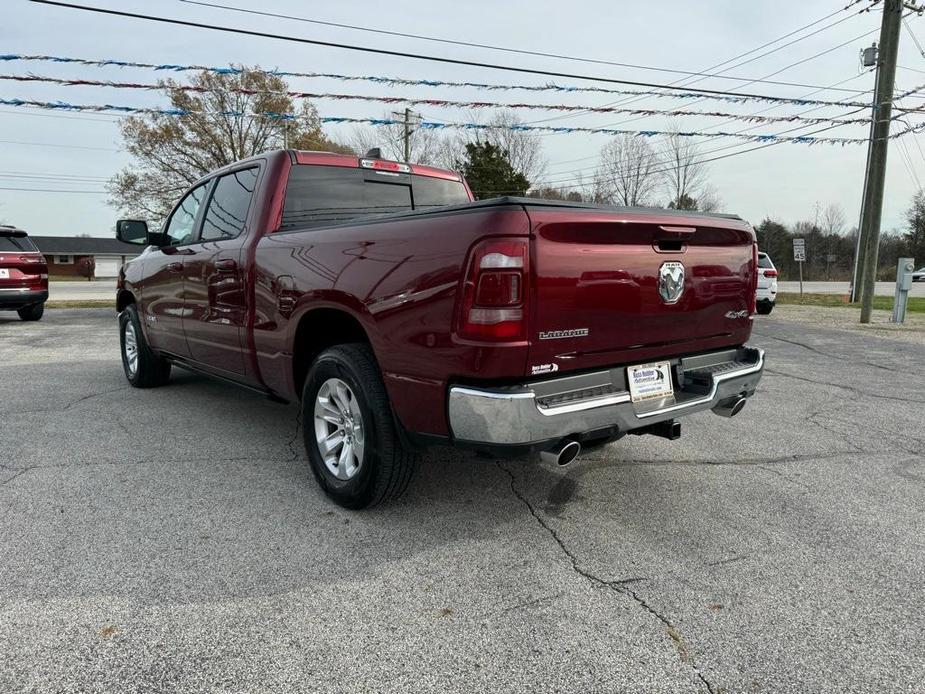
(64,253)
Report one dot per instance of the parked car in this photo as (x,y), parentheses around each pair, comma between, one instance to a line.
(919,275)
(767,284)
(23,275)
(401,313)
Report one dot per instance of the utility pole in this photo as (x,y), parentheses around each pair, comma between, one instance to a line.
(870,59)
(407,134)
(407,115)
(876,165)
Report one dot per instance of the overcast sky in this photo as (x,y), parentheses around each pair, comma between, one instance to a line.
(42,149)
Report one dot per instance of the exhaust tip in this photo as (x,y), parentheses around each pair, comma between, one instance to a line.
(568,453)
(730,407)
(562,453)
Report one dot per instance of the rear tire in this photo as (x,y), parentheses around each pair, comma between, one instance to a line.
(143,367)
(765,308)
(350,433)
(33,312)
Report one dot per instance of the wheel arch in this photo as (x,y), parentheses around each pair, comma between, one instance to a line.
(123,299)
(319,329)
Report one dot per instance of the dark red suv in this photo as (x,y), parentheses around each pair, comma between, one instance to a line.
(23,275)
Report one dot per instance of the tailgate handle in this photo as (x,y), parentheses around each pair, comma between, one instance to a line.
(672,239)
(226,265)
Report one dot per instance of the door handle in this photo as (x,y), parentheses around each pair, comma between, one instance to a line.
(226,265)
(175,267)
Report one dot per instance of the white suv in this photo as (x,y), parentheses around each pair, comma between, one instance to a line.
(767,284)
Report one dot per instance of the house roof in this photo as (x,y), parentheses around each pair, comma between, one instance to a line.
(80,245)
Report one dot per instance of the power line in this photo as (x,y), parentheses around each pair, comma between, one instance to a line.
(415,56)
(53,176)
(730,146)
(50,190)
(853,77)
(58,146)
(915,38)
(725,156)
(399,81)
(787,67)
(688,82)
(471,44)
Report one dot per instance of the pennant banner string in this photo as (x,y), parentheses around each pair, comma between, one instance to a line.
(398,81)
(429,125)
(445,103)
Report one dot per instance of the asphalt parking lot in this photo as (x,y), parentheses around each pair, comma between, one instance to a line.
(174,540)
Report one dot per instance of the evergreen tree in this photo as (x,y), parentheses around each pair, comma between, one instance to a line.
(489,172)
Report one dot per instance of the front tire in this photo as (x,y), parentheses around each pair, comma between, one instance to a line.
(33,312)
(143,367)
(350,433)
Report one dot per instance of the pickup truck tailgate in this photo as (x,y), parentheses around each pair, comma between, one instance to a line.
(597,296)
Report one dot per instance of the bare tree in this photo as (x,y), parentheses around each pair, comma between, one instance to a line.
(524,148)
(627,171)
(833,219)
(549,192)
(225,120)
(426,146)
(685,177)
(709,200)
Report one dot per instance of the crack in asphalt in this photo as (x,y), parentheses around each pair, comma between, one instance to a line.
(730,560)
(290,444)
(618,586)
(851,389)
(743,462)
(69,405)
(828,355)
(21,472)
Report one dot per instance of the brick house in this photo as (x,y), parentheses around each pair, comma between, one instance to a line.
(64,253)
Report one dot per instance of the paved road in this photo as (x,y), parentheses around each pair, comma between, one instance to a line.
(880,289)
(75,291)
(174,540)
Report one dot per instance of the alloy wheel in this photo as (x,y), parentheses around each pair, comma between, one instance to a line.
(339,428)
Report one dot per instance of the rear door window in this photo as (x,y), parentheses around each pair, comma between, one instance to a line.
(323,195)
(227,212)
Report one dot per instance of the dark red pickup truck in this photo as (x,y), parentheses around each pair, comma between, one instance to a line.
(400,313)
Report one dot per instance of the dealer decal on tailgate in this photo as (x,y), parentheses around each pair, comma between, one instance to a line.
(649,381)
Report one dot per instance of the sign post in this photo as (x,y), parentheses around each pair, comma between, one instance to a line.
(903,286)
(799,255)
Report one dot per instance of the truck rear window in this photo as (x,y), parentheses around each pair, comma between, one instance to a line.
(16,243)
(323,195)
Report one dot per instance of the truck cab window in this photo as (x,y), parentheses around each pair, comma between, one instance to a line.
(180,228)
(323,195)
(227,212)
(430,192)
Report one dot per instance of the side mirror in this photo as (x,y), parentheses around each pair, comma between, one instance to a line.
(132,231)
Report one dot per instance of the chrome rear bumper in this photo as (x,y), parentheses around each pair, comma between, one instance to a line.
(541,411)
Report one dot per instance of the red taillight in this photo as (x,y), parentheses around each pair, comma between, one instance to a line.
(770,273)
(753,301)
(492,305)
